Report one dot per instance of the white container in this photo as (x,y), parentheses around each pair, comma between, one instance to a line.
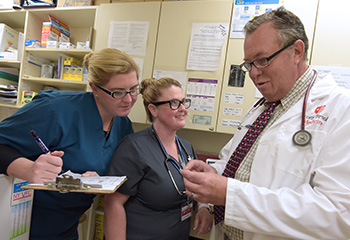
(46,71)
(8,37)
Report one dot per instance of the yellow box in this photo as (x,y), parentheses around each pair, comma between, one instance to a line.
(69,61)
(99,217)
(27,96)
(66,73)
(72,73)
(79,73)
(98,235)
(100,202)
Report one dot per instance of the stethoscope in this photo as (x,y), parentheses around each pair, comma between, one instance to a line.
(301,137)
(175,163)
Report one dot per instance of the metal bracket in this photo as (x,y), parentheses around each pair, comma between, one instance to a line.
(66,183)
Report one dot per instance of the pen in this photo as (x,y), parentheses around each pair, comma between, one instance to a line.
(39,142)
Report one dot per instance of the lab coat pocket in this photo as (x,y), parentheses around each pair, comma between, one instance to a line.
(280,163)
(294,164)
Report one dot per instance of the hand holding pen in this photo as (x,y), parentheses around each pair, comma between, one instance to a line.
(48,165)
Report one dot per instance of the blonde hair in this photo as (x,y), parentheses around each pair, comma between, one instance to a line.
(151,91)
(102,65)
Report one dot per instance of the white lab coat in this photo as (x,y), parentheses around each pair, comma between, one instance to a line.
(283,200)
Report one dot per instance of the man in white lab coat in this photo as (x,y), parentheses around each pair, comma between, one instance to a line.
(294,183)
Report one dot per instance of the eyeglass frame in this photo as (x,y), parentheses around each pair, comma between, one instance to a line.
(126,92)
(170,102)
(244,67)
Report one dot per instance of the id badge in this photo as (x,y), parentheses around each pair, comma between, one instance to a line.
(186,210)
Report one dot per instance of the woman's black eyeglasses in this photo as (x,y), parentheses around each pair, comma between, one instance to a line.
(121,93)
(175,103)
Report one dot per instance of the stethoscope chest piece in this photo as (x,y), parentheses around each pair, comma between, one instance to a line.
(302,138)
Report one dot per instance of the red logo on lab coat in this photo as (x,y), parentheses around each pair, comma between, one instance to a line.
(320,109)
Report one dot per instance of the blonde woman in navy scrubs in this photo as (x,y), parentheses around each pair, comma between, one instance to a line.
(152,203)
(81,129)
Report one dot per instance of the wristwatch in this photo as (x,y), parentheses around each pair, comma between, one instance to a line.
(208,206)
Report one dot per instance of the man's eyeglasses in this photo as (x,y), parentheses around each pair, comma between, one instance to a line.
(121,93)
(175,104)
(262,62)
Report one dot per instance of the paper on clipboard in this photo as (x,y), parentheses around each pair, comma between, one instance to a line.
(108,184)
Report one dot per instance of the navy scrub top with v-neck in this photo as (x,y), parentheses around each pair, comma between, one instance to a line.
(67,121)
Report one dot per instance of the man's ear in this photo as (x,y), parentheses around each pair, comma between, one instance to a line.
(299,48)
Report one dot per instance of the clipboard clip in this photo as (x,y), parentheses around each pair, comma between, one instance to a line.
(65,183)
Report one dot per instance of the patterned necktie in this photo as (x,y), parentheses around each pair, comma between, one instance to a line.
(242,150)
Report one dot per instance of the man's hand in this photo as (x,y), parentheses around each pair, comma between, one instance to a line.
(205,186)
(199,166)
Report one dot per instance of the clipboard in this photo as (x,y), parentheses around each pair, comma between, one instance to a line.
(68,183)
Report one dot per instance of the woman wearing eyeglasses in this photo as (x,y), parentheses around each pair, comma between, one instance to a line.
(152,203)
(81,129)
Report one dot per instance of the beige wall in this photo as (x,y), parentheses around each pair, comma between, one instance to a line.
(202,141)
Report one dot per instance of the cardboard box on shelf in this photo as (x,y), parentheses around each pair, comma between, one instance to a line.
(46,71)
(99,219)
(72,3)
(70,61)
(66,46)
(27,96)
(32,43)
(49,33)
(66,73)
(65,3)
(8,37)
(116,1)
(61,26)
(82,3)
(98,2)
(79,73)
(51,44)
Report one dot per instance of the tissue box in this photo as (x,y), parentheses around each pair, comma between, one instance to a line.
(32,43)
(66,46)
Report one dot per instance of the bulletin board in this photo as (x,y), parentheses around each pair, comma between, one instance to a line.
(136,12)
(178,21)
(238,91)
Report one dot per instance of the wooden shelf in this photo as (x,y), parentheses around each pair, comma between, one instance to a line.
(59,83)
(52,53)
(10,63)
(9,105)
